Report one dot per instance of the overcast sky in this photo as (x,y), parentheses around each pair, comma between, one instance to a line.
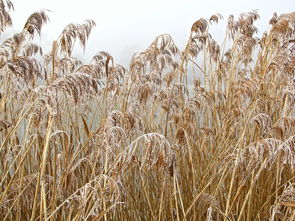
(127,26)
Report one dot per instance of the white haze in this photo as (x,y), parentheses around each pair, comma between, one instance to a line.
(129,26)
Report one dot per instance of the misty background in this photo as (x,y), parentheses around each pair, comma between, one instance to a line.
(126,27)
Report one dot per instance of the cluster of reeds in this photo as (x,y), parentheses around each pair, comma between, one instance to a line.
(102,141)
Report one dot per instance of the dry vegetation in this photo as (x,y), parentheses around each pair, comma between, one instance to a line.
(101,141)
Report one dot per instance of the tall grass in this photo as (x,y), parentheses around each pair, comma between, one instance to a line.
(101,141)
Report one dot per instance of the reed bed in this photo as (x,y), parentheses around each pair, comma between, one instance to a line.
(203,133)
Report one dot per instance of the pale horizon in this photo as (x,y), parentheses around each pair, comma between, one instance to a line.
(126,27)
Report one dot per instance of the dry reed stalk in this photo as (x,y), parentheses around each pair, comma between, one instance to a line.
(143,142)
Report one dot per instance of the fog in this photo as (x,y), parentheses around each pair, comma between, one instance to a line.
(126,27)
